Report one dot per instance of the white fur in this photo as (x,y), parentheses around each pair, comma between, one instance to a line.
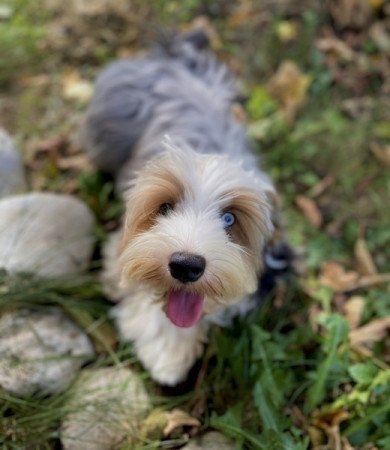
(208,169)
(209,185)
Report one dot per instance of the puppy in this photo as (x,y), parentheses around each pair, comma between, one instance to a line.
(199,211)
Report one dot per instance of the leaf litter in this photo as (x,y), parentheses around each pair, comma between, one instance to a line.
(311,368)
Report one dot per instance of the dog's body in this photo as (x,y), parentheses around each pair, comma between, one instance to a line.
(199,212)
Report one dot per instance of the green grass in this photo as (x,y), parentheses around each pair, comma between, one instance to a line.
(280,379)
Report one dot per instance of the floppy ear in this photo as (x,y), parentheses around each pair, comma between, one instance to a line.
(153,187)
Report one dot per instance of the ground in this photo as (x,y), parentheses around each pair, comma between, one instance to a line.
(311,368)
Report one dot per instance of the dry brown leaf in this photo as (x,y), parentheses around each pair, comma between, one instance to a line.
(350,13)
(364,261)
(329,422)
(314,312)
(310,210)
(179,418)
(320,187)
(379,33)
(289,86)
(353,310)
(346,445)
(77,162)
(49,147)
(373,331)
(358,107)
(373,280)
(316,436)
(333,275)
(243,14)
(382,154)
(336,47)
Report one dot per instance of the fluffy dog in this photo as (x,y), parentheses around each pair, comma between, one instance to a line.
(199,212)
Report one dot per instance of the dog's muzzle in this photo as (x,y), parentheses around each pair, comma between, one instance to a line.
(186,267)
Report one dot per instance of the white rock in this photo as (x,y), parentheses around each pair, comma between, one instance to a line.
(210,441)
(40,352)
(45,234)
(106,405)
(12,177)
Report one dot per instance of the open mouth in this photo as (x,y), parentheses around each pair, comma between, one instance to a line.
(184,309)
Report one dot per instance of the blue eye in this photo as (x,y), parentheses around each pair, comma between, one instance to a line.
(228,219)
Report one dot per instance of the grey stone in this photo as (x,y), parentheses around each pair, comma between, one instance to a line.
(106,406)
(40,351)
(12,176)
(212,440)
(45,234)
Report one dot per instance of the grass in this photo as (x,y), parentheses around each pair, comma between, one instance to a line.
(288,377)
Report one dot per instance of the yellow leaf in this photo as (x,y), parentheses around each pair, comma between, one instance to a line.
(286,30)
(289,86)
(179,418)
(376,4)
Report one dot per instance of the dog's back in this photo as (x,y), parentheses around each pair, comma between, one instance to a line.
(180,89)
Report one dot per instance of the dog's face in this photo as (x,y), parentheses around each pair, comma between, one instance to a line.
(194,231)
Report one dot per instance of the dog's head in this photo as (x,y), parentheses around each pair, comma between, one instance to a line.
(194,231)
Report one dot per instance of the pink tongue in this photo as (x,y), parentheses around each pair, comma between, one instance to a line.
(184,309)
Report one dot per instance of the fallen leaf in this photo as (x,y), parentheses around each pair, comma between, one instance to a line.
(76,162)
(314,313)
(316,437)
(364,261)
(320,187)
(153,425)
(179,418)
(286,30)
(289,86)
(51,146)
(329,422)
(76,88)
(346,445)
(353,311)
(310,210)
(372,280)
(382,154)
(243,14)
(350,13)
(373,331)
(358,107)
(333,275)
(380,35)
(336,47)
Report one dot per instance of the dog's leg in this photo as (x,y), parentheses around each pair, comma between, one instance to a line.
(166,351)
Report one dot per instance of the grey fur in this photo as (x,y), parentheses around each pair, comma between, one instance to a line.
(179,90)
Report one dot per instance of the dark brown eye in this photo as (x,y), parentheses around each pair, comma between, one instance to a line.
(165,208)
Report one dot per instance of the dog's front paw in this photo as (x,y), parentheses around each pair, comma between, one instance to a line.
(165,350)
(170,357)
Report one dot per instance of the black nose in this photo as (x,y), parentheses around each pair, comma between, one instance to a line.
(186,267)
